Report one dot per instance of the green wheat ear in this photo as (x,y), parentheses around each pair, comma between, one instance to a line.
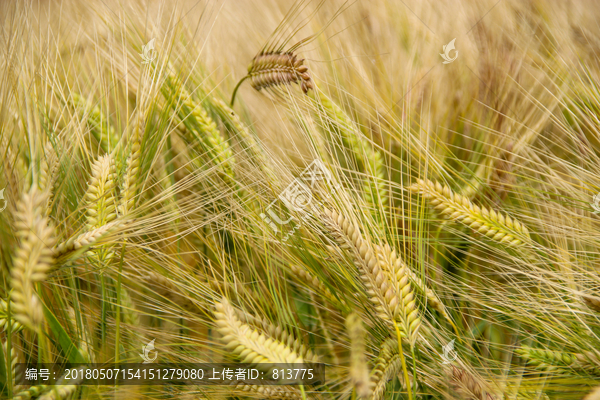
(97,122)
(459,208)
(374,190)
(196,118)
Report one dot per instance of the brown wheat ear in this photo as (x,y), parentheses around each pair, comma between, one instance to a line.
(276,68)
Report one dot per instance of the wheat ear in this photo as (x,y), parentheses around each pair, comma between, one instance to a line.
(216,145)
(469,383)
(33,257)
(251,141)
(306,278)
(248,344)
(387,284)
(48,172)
(272,69)
(592,302)
(271,392)
(387,366)
(594,394)
(130,314)
(130,184)
(166,288)
(544,358)
(62,392)
(398,271)
(15,326)
(374,190)
(31,392)
(359,374)
(459,208)
(85,239)
(100,195)
(548,360)
(11,360)
(278,333)
(432,299)
(99,125)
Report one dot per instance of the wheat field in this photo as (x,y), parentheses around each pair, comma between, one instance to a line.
(405,192)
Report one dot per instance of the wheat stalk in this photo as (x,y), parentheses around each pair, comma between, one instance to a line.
(359,374)
(276,68)
(248,344)
(459,208)
(33,257)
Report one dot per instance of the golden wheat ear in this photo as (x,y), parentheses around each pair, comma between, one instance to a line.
(276,68)
(455,207)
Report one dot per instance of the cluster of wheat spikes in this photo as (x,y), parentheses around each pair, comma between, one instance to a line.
(445,244)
